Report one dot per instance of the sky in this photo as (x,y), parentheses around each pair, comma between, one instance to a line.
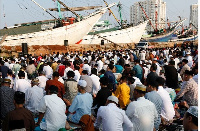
(21,11)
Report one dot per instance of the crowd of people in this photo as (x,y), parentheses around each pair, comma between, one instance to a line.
(130,90)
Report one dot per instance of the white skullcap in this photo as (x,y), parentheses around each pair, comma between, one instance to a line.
(82,83)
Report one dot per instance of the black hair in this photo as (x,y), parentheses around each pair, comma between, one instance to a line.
(9,72)
(185,61)
(154,67)
(123,78)
(111,66)
(102,71)
(160,81)
(70,74)
(55,74)
(104,80)
(153,83)
(132,73)
(94,71)
(21,74)
(77,68)
(194,119)
(85,72)
(131,80)
(53,89)
(19,97)
(172,62)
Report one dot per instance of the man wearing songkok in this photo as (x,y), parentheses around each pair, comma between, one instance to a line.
(141,112)
(112,118)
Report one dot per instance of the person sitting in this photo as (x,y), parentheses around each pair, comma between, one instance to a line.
(54,109)
(190,120)
(112,118)
(20,118)
(81,104)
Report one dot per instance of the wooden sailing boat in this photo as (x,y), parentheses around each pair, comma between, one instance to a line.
(66,32)
(126,34)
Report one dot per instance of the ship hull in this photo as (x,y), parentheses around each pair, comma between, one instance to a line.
(71,33)
(127,35)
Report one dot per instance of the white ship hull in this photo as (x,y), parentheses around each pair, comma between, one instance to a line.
(128,35)
(73,33)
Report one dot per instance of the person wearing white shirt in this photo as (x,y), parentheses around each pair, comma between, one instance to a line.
(95,81)
(142,55)
(141,112)
(100,64)
(67,69)
(77,73)
(53,108)
(112,118)
(42,80)
(33,96)
(21,84)
(48,71)
(167,111)
(190,59)
(86,67)
(158,66)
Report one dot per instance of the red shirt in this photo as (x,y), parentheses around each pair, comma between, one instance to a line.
(61,88)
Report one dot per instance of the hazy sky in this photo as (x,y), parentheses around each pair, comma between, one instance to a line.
(20,11)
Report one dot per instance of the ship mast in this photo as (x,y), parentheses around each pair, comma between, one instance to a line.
(44,9)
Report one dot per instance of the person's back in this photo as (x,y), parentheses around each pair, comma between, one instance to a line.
(33,96)
(20,117)
(54,109)
(6,97)
(112,118)
(81,104)
(87,78)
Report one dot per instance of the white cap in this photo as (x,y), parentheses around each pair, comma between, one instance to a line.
(82,83)
(155,59)
(188,53)
(113,98)
(193,110)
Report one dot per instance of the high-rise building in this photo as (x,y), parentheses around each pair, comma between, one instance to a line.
(194,15)
(154,9)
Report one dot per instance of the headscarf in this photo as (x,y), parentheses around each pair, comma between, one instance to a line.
(86,123)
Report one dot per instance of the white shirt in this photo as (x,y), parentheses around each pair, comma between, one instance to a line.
(21,85)
(48,71)
(77,75)
(142,56)
(190,61)
(167,111)
(42,81)
(33,97)
(54,109)
(112,118)
(146,72)
(195,78)
(100,65)
(65,72)
(158,69)
(96,83)
(87,67)
(176,62)
(142,114)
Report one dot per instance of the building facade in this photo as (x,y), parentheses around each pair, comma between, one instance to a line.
(194,15)
(154,9)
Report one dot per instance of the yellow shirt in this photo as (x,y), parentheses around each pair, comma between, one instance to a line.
(123,94)
(54,66)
